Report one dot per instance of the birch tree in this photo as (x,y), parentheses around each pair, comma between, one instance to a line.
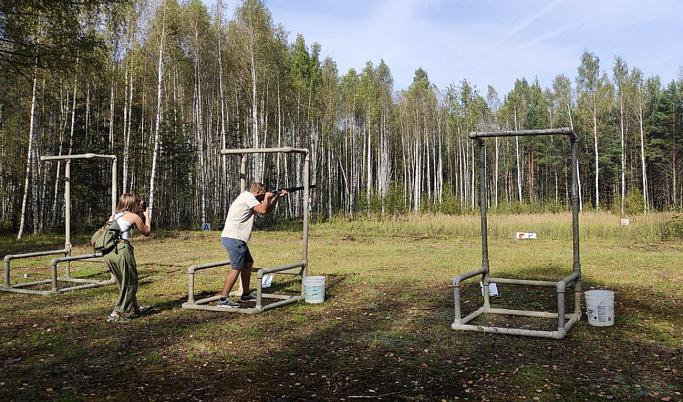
(252,35)
(594,93)
(198,19)
(620,71)
(161,39)
(330,89)
(494,104)
(638,105)
(385,166)
(30,152)
(563,91)
(221,93)
(369,95)
(517,102)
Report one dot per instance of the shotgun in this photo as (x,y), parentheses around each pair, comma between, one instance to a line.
(290,189)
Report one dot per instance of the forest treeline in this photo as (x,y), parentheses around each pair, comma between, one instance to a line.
(165,85)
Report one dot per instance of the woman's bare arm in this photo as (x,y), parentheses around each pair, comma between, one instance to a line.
(143,227)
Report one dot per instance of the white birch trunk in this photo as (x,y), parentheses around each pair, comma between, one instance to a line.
(64,109)
(87,112)
(428,169)
(597,160)
(418,170)
(111,114)
(29,157)
(155,153)
(329,177)
(258,172)
(346,183)
(404,159)
(263,113)
(279,136)
(440,168)
(461,168)
(473,190)
(646,200)
(221,94)
(578,171)
(199,129)
(73,115)
(623,149)
(368,188)
(126,146)
(384,163)
(495,175)
(200,142)
(125,128)
(519,167)
(43,212)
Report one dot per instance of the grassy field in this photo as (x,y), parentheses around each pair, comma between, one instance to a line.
(383,332)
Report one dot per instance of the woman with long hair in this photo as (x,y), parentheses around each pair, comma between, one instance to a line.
(121,260)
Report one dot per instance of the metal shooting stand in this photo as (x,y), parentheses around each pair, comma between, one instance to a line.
(290,269)
(563,325)
(68,258)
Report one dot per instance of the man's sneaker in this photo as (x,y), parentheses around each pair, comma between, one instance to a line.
(248,296)
(227,303)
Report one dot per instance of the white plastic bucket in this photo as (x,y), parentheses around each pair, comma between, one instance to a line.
(600,307)
(314,289)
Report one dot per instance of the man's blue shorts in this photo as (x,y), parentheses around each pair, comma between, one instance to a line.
(238,252)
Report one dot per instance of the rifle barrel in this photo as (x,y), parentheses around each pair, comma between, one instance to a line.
(291,189)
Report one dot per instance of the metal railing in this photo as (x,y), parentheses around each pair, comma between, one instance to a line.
(55,279)
(564,321)
(203,304)
(20,287)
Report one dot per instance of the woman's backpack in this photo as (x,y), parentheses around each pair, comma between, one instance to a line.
(106,238)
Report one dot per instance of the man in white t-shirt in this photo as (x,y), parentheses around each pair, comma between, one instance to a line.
(236,235)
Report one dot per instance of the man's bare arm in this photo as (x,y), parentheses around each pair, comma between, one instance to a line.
(262,208)
(273,200)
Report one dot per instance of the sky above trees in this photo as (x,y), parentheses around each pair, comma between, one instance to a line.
(486,41)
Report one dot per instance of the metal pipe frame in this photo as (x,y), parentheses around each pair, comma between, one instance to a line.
(564,321)
(11,257)
(202,304)
(524,133)
(282,269)
(243,151)
(67,225)
(81,156)
(55,279)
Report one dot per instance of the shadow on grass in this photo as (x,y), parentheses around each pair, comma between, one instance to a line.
(172,304)
(547,272)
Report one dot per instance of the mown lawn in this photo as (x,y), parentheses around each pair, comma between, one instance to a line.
(383,331)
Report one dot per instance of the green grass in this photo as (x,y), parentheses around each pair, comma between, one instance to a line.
(551,226)
(385,324)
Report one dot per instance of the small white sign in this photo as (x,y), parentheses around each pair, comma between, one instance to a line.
(624,222)
(493,289)
(526,235)
(206,227)
(266,281)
